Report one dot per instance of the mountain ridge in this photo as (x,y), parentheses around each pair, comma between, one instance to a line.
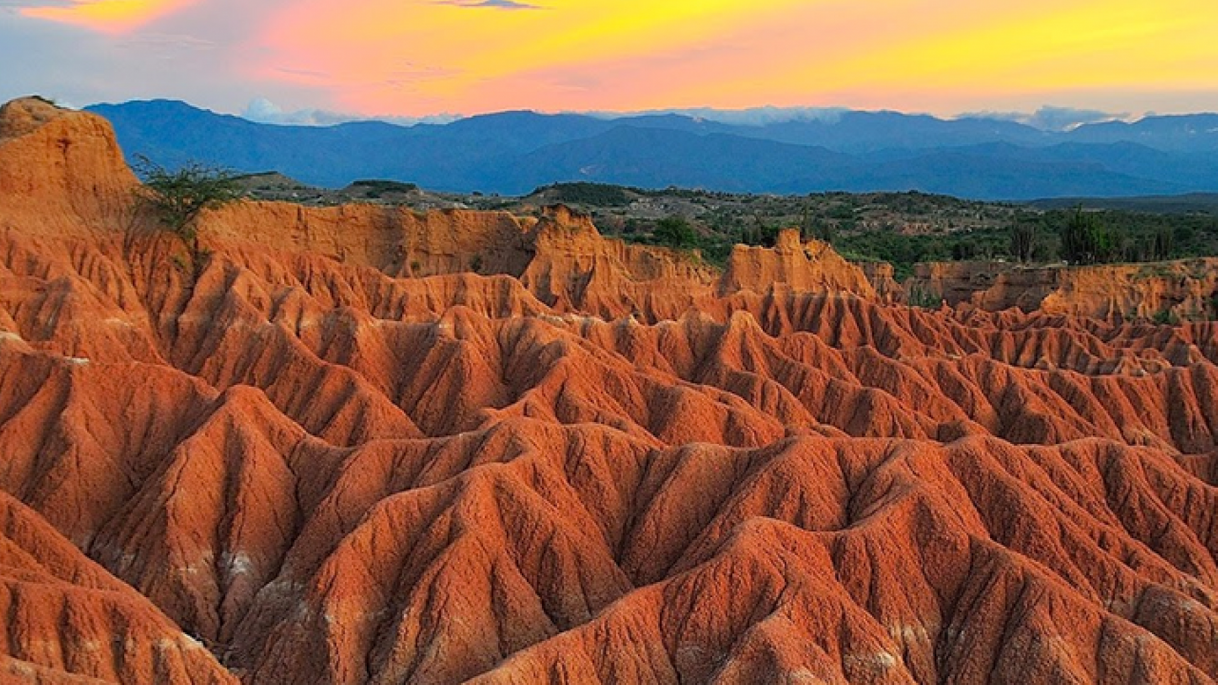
(512,152)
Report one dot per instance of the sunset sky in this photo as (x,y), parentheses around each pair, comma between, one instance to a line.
(413,58)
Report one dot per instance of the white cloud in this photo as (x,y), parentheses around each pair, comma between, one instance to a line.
(263,111)
(1050,118)
(756,116)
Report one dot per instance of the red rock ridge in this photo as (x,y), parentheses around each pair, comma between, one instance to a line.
(1184,289)
(67,620)
(61,172)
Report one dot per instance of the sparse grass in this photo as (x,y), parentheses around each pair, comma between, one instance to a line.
(923,298)
(1165,317)
(1146,272)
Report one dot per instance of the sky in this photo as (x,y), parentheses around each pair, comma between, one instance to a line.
(318,61)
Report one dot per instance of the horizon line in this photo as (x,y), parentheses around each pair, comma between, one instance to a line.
(320,118)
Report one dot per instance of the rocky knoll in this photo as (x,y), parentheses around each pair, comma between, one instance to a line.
(352,453)
(60,171)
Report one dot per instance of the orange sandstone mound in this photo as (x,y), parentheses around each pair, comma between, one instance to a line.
(372,446)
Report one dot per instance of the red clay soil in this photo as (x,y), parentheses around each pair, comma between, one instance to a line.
(341,456)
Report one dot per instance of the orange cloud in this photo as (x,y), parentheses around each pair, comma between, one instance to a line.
(1042,46)
(106,15)
(419,57)
(385,55)
(416,58)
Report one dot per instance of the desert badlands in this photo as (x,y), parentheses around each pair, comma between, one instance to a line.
(366,445)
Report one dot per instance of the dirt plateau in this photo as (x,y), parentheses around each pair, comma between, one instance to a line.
(372,446)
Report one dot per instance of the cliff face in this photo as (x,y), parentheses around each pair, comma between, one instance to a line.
(326,467)
(561,259)
(882,279)
(61,172)
(393,240)
(1184,289)
(992,286)
(811,266)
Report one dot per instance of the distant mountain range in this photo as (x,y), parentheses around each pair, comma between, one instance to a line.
(513,152)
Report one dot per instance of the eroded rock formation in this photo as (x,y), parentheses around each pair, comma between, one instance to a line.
(1177,290)
(342,456)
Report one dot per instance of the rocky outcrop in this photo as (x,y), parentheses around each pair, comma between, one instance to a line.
(1180,290)
(561,258)
(883,280)
(575,269)
(606,467)
(61,172)
(811,266)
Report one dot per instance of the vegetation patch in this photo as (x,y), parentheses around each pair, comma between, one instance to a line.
(377,189)
(900,228)
(177,198)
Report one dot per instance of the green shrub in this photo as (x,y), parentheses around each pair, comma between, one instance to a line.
(178,198)
(1165,317)
(377,188)
(676,232)
(582,192)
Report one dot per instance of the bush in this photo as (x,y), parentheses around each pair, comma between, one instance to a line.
(821,230)
(675,231)
(375,188)
(1165,317)
(178,198)
(583,192)
(1163,242)
(1081,238)
(760,233)
(1085,239)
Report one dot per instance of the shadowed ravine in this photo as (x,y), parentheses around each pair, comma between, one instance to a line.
(341,457)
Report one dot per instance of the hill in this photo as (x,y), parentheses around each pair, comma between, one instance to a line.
(1190,203)
(513,152)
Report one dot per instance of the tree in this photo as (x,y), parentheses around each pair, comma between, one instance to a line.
(759,233)
(1023,240)
(805,224)
(1162,248)
(821,230)
(1084,240)
(963,251)
(675,231)
(178,198)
